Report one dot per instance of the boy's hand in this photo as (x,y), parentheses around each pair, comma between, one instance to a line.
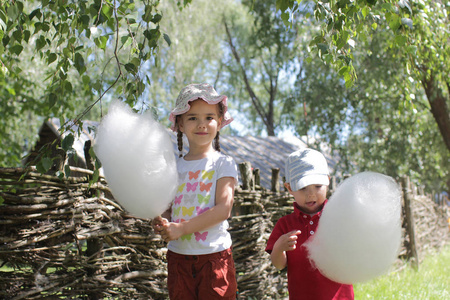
(288,241)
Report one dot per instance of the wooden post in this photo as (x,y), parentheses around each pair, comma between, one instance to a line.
(275,180)
(332,185)
(257,177)
(409,223)
(246,173)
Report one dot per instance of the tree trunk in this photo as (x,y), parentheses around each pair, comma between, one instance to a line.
(439,108)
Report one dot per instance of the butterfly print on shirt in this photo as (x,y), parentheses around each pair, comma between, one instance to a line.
(200,236)
(205,187)
(194,174)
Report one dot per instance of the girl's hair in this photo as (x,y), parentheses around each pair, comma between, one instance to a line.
(180,134)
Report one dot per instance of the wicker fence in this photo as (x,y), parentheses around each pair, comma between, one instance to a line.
(66,239)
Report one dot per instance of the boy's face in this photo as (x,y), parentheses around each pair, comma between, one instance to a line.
(310,198)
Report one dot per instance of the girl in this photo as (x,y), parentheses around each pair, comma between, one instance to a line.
(200,263)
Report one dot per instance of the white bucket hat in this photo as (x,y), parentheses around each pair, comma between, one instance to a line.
(305,167)
(202,91)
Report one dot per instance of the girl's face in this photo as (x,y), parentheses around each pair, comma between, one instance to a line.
(310,198)
(201,123)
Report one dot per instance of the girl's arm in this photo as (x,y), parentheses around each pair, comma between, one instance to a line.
(286,242)
(216,214)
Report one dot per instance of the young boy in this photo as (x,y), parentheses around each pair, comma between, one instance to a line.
(307,179)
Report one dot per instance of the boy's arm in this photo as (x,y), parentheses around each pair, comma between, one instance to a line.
(216,214)
(286,242)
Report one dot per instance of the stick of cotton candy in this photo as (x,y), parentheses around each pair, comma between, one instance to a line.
(138,161)
(359,234)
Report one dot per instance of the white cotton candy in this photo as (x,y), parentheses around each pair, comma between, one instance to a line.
(359,233)
(138,161)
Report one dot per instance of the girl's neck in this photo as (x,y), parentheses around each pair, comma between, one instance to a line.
(198,153)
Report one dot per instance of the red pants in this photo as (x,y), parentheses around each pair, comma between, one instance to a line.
(209,276)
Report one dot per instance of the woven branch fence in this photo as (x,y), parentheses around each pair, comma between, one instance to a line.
(66,239)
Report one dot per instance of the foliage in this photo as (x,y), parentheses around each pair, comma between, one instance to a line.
(394,59)
(59,58)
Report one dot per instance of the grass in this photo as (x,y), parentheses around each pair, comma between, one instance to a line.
(431,281)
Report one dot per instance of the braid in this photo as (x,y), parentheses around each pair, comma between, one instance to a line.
(216,144)
(180,142)
(221,114)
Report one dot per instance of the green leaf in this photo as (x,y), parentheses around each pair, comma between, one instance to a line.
(395,22)
(126,40)
(35,13)
(400,40)
(85,20)
(68,87)
(101,42)
(131,68)
(343,38)
(86,79)
(167,39)
(16,49)
(40,43)
(79,63)
(365,11)
(44,165)
(17,35)
(52,98)
(323,47)
(283,5)
(344,70)
(13,12)
(107,11)
(51,58)
(67,142)
(156,18)
(285,18)
(95,176)
(26,35)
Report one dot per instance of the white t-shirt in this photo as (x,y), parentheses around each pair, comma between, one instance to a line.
(195,195)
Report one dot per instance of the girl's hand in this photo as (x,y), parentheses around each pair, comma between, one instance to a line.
(158,224)
(172,231)
(288,241)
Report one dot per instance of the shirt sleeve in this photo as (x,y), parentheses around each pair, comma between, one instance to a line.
(277,231)
(228,168)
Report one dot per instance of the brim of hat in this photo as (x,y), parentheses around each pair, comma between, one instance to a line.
(309,180)
(227,119)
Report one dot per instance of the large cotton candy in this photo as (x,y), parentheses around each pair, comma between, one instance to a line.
(359,233)
(138,161)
